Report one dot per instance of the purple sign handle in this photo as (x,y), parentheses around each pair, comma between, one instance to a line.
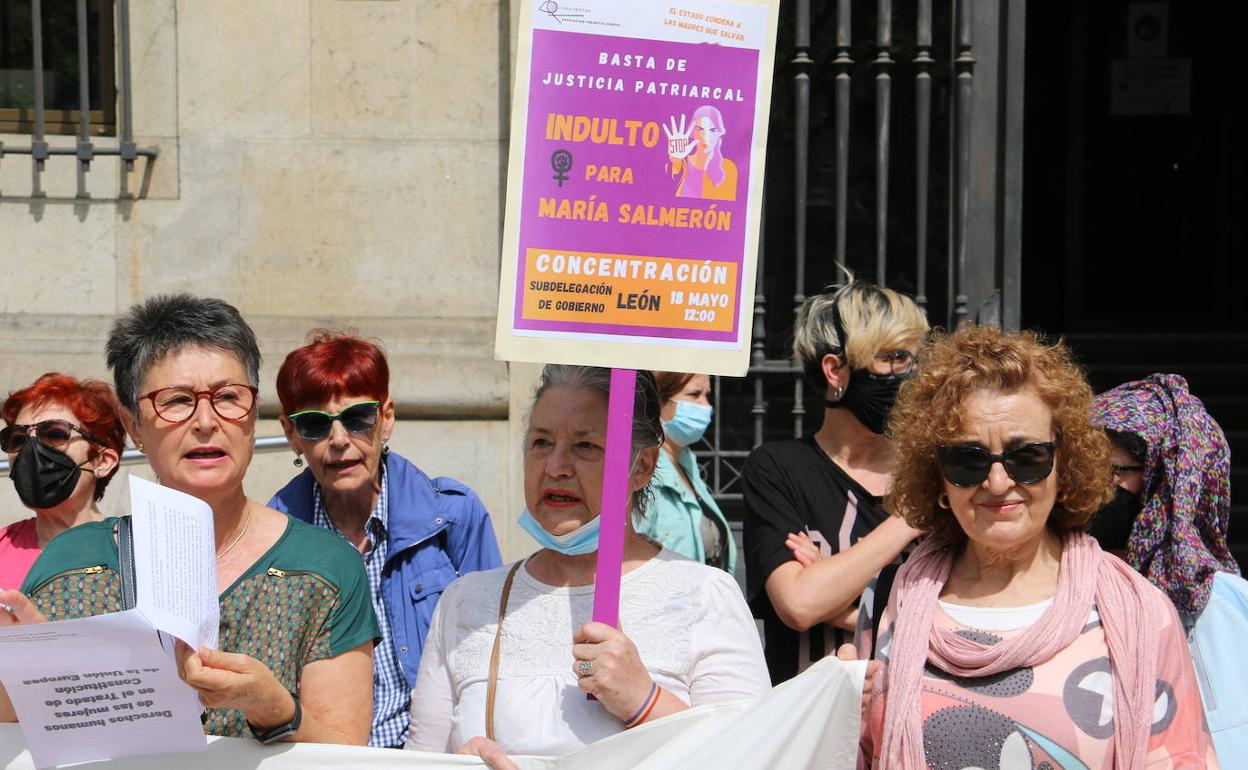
(615,475)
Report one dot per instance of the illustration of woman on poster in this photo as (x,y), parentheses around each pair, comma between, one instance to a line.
(695,151)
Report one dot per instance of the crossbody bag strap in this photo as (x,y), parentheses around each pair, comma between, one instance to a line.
(125,561)
(883,585)
(492,686)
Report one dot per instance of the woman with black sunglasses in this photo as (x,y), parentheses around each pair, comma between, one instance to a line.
(414,534)
(64,440)
(294,661)
(1010,639)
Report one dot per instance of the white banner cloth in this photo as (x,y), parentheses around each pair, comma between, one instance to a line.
(811,721)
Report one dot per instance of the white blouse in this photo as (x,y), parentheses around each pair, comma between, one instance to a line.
(689,622)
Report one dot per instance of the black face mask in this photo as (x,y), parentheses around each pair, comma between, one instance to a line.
(1111,525)
(44,477)
(870,397)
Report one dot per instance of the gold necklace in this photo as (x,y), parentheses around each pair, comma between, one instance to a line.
(239,538)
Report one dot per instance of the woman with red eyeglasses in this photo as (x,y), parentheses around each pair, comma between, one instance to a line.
(294,661)
(64,440)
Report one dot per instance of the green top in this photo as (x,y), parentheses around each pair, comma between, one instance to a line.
(306,599)
(673,518)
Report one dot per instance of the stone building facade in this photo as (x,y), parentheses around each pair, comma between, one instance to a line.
(322,163)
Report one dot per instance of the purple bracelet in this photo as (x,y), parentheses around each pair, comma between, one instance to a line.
(653,686)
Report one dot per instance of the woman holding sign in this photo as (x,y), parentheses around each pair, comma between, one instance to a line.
(685,638)
(297,627)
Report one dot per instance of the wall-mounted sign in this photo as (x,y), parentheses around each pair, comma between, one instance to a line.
(1150,87)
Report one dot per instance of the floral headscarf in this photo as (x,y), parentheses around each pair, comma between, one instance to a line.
(1179,539)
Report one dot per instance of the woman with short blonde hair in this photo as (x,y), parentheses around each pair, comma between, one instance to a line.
(816,532)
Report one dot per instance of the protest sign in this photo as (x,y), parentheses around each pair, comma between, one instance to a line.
(639,251)
(635,183)
(175,562)
(97,688)
(811,720)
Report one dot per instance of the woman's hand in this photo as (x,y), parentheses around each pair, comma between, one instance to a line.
(231,680)
(336,694)
(678,144)
(616,675)
(489,751)
(803,548)
(847,652)
(807,553)
(17,610)
(899,525)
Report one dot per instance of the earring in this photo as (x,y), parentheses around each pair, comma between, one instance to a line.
(943,501)
(385,446)
(837,393)
(298,461)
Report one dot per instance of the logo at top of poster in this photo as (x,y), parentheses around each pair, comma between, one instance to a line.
(695,156)
(551,9)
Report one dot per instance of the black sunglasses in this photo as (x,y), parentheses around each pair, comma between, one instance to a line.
(968,466)
(54,433)
(314,424)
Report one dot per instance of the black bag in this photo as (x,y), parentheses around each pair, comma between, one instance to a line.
(125,561)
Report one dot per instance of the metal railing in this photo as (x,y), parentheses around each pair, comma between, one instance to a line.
(973,123)
(84,150)
(135,457)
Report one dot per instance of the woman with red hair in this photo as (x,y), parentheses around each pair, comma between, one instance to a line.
(64,441)
(414,534)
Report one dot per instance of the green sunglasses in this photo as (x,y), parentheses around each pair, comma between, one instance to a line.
(316,424)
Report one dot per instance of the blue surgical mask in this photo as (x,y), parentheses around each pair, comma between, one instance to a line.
(689,423)
(578,542)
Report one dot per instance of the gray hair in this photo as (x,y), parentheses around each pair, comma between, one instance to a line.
(169,323)
(647,426)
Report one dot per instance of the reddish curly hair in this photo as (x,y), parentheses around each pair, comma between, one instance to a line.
(927,416)
(93,403)
(331,365)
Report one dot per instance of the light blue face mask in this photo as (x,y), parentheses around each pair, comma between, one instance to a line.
(689,423)
(578,542)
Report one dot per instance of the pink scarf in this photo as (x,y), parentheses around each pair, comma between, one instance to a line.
(1129,616)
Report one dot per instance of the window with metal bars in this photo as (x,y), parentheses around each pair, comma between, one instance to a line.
(57,77)
(61,70)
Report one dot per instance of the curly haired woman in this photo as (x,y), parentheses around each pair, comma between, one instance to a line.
(1010,639)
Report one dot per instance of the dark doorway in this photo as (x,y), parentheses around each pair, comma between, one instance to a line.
(1134,226)
(1134,199)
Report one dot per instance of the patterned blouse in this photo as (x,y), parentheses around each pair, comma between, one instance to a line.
(306,599)
(1058,715)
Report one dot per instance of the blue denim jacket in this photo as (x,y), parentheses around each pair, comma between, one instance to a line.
(438,529)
